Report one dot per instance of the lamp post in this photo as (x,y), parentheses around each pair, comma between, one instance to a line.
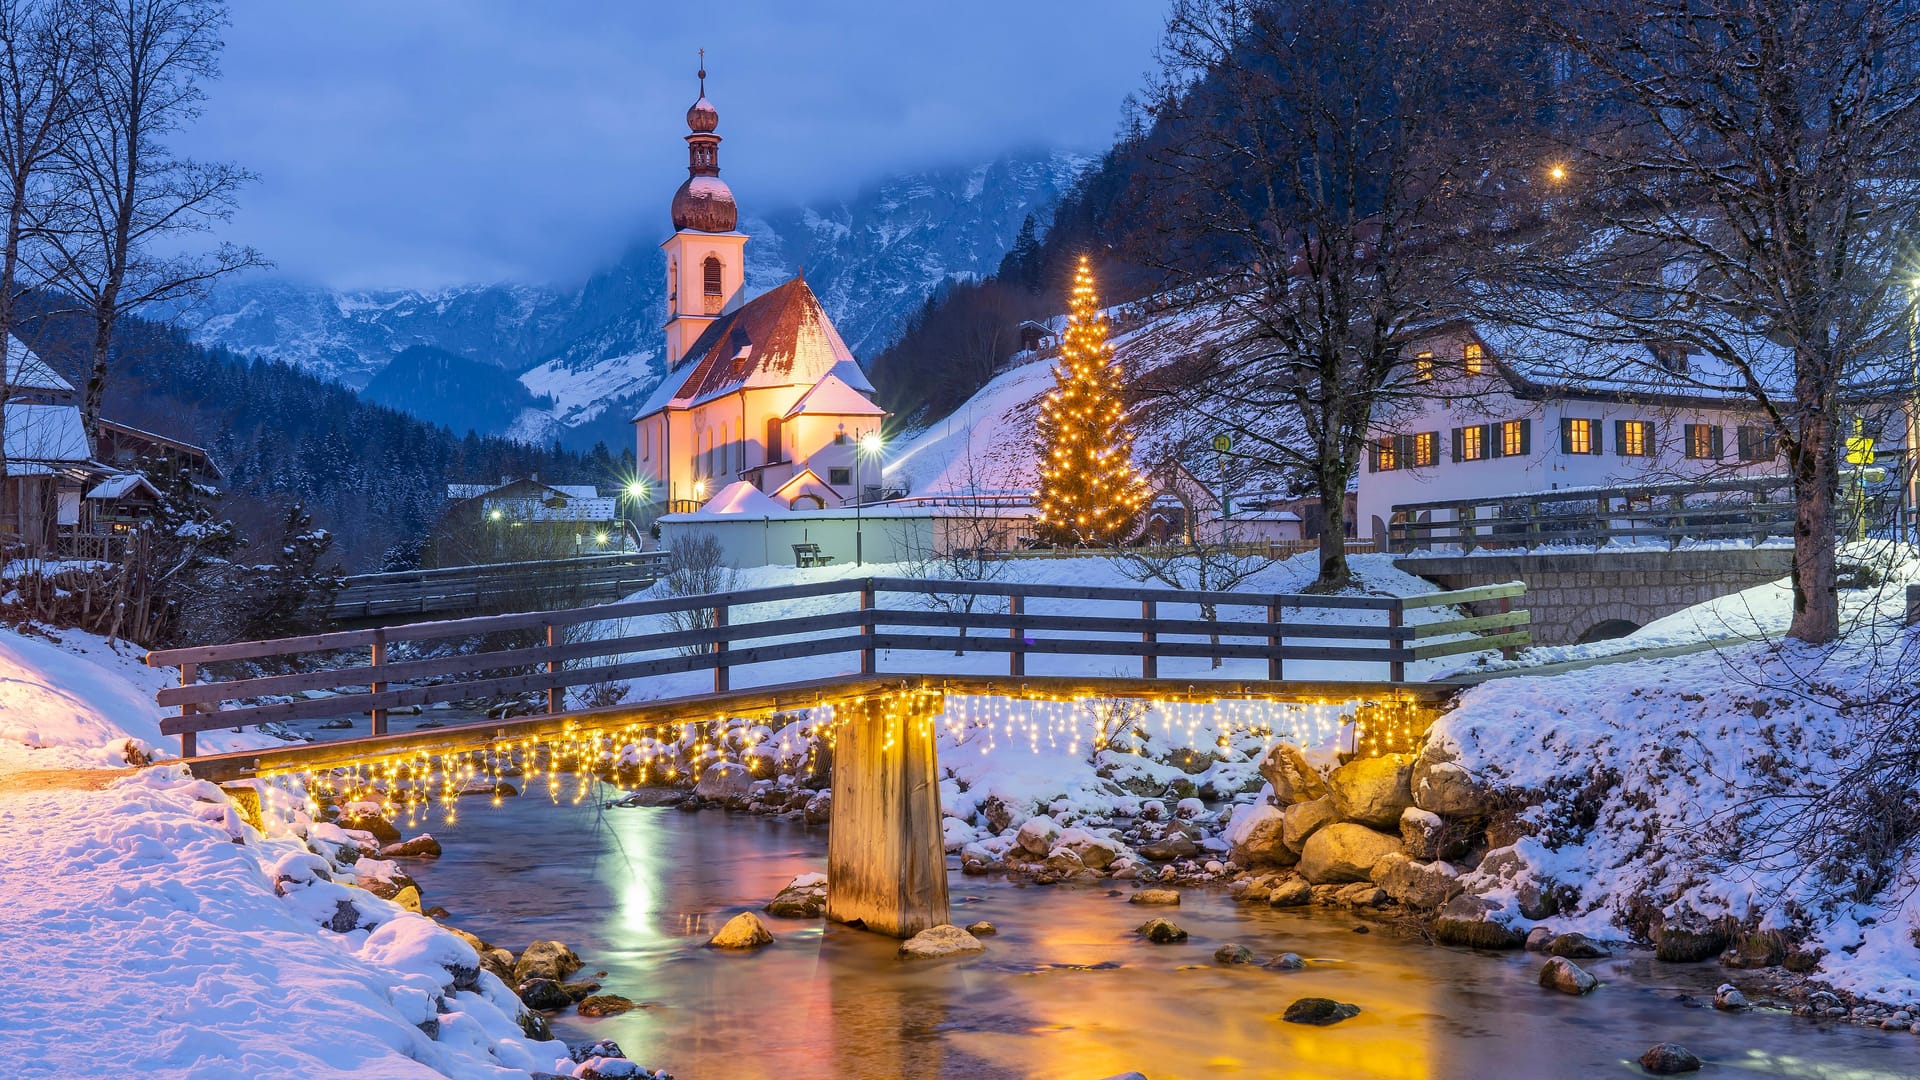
(869,446)
(636,494)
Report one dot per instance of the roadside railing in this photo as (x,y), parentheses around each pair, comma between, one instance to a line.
(1750,509)
(497,586)
(219,687)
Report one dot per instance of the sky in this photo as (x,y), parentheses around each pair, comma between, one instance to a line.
(434,142)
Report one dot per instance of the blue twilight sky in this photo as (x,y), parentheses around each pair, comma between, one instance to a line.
(430,142)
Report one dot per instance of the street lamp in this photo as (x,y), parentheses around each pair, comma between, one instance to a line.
(869,446)
(636,495)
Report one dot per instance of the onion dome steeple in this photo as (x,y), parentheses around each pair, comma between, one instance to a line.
(704,203)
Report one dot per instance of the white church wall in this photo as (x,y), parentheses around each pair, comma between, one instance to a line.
(884,535)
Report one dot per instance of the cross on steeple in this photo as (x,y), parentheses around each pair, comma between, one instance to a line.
(703,73)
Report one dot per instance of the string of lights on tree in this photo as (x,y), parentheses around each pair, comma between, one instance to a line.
(1089,493)
(409,787)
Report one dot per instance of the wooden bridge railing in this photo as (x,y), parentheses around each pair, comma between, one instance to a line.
(1750,509)
(1272,627)
(496,586)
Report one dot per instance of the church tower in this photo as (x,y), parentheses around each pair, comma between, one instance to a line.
(706,254)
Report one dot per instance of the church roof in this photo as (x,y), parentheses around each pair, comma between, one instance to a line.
(780,338)
(832,397)
(741,497)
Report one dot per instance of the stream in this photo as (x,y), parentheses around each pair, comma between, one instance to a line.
(1065,990)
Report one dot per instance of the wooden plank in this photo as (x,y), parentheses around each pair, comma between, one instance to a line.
(1102,592)
(1474,625)
(1516,639)
(1081,624)
(885,853)
(1162,649)
(1466,596)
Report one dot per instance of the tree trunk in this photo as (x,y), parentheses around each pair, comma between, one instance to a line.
(1334,574)
(1816,603)
(97,372)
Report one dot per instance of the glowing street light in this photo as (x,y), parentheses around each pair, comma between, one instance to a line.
(869,446)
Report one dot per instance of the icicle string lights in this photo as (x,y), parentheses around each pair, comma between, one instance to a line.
(408,787)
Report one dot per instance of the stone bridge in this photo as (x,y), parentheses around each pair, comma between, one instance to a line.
(1577,597)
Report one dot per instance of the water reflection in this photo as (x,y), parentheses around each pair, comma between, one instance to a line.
(1065,990)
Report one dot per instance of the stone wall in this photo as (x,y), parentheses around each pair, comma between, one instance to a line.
(1571,594)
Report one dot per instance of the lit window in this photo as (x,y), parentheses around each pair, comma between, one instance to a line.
(1703,442)
(1386,454)
(1473,358)
(1473,443)
(1513,438)
(1579,437)
(1423,366)
(1426,449)
(1633,438)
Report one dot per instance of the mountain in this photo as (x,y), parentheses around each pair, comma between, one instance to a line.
(591,352)
(477,395)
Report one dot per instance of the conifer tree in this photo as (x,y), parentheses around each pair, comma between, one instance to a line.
(1089,492)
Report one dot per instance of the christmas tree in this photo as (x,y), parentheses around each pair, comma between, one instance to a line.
(1089,493)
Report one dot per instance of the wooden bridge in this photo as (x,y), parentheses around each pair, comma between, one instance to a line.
(897,663)
(489,588)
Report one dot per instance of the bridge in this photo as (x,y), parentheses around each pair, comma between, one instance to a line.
(489,588)
(904,646)
(1603,562)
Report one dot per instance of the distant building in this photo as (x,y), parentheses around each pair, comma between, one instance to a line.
(526,519)
(762,391)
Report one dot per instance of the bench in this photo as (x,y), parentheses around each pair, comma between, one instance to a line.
(805,555)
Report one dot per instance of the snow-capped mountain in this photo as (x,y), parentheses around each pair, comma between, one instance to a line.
(595,349)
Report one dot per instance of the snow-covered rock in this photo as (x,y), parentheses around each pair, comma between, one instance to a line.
(1344,852)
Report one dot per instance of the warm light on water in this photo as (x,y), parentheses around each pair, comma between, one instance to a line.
(1065,991)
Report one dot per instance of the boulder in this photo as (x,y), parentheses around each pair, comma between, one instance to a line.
(1095,852)
(544,960)
(1666,1059)
(1728,998)
(1175,845)
(605,1005)
(1257,837)
(382,829)
(1468,920)
(1286,961)
(1302,820)
(1755,949)
(1422,833)
(1319,1011)
(1292,892)
(1294,779)
(1539,938)
(408,897)
(1038,835)
(1361,894)
(943,940)
(1567,977)
(726,783)
(819,808)
(1507,867)
(423,846)
(500,962)
(543,994)
(580,991)
(1576,947)
(983,928)
(1344,852)
(1424,885)
(1233,954)
(1161,931)
(1442,786)
(1155,896)
(1373,791)
(743,931)
(1680,945)
(805,897)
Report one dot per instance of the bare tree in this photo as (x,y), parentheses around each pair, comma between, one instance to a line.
(1204,564)
(1312,177)
(131,199)
(1748,165)
(44,57)
(696,566)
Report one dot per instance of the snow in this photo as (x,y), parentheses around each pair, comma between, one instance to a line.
(741,497)
(45,433)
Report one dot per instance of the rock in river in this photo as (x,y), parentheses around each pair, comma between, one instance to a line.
(1575,947)
(1233,954)
(983,928)
(943,940)
(1344,852)
(805,897)
(545,960)
(1319,1011)
(606,1005)
(1161,931)
(1665,1059)
(1155,896)
(743,931)
(1567,977)
(544,994)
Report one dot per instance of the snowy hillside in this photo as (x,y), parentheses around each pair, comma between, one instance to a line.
(873,258)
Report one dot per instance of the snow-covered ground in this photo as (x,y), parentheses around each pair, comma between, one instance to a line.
(1714,788)
(150,931)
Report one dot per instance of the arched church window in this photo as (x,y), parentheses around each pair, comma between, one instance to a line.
(713,275)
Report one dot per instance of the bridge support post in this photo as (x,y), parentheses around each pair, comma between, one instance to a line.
(886,862)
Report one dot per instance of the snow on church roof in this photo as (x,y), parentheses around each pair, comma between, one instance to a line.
(833,397)
(741,497)
(780,338)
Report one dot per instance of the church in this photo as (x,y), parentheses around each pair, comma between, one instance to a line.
(762,399)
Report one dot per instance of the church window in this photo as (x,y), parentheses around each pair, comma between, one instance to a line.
(839,477)
(773,441)
(713,275)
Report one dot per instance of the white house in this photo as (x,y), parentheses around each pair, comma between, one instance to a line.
(763,390)
(1512,411)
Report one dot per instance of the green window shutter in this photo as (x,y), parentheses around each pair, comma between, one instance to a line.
(1403,451)
(1526,437)
(1459,443)
(1743,442)
(1490,441)
(1566,434)
(1653,448)
(1688,433)
(1718,447)
(1620,437)
(1595,448)
(1373,455)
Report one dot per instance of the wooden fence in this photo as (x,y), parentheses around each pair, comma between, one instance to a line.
(496,587)
(1147,625)
(1751,509)
(1266,549)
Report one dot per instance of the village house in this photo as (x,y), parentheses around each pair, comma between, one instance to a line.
(1495,411)
(760,391)
(524,519)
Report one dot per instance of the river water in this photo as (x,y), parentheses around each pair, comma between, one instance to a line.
(1065,990)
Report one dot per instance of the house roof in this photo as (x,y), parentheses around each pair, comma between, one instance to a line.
(741,497)
(26,371)
(831,396)
(780,338)
(198,454)
(804,482)
(45,433)
(120,485)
